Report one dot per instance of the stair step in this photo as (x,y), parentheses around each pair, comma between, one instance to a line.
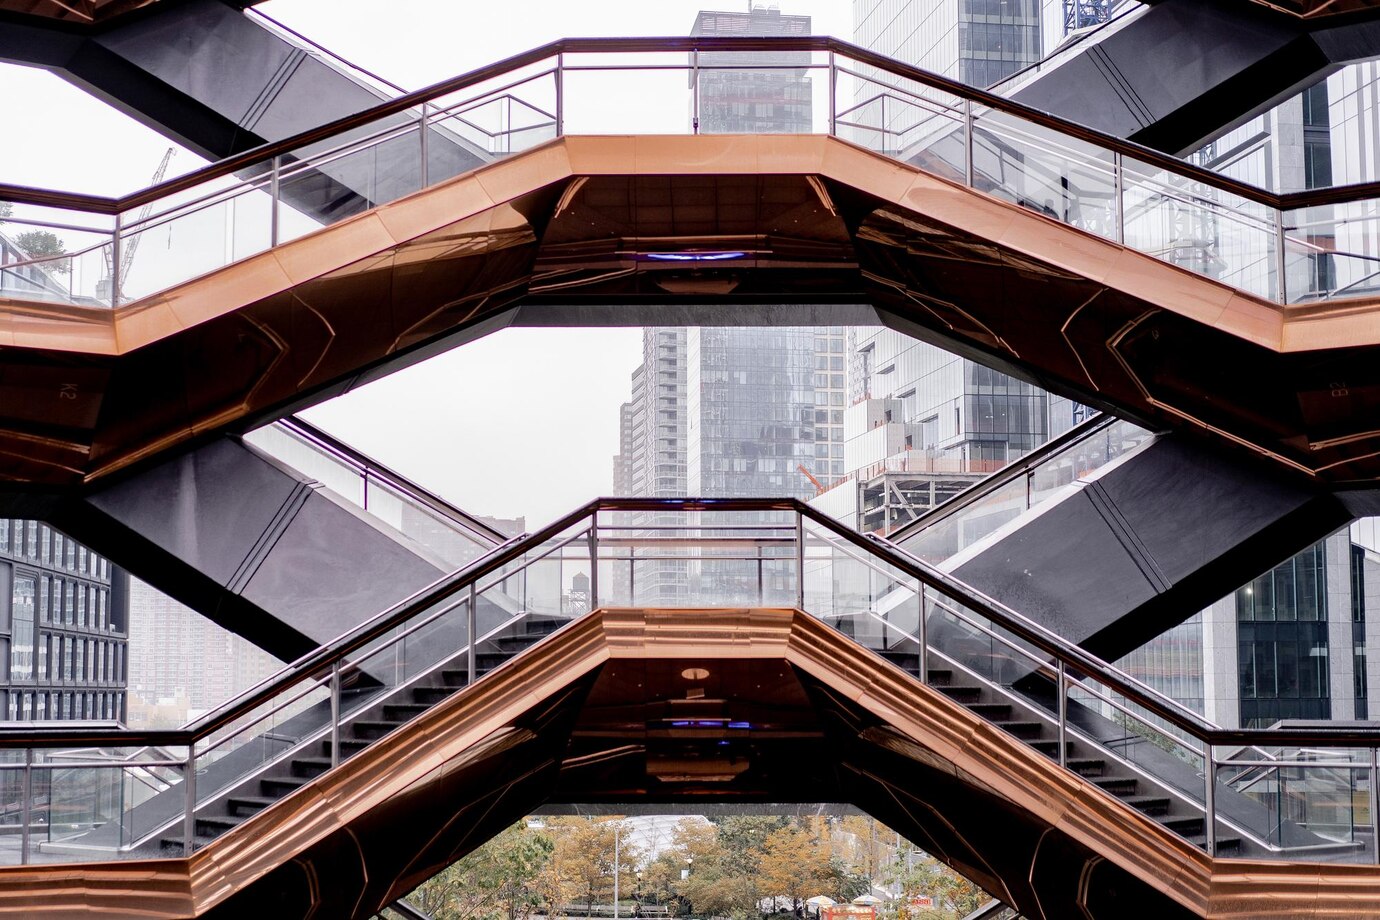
(249,805)
(1024,730)
(961,694)
(372,728)
(348,746)
(1050,748)
(1088,767)
(1118,786)
(1151,805)
(430,696)
(278,786)
(215,826)
(403,711)
(310,767)
(1189,826)
(940,677)
(992,712)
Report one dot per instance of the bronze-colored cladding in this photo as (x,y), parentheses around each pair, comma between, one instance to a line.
(349,841)
(577,221)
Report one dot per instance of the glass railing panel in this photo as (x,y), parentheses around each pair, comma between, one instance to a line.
(319,187)
(873,603)
(1204,229)
(55,255)
(92,803)
(976,651)
(697,559)
(901,118)
(1312,805)
(494,119)
(1045,171)
(424,651)
(763,92)
(1131,733)
(181,239)
(964,527)
(1333,251)
(1083,458)
(626,101)
(262,736)
(448,541)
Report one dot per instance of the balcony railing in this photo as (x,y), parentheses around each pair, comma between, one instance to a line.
(83,792)
(1291,248)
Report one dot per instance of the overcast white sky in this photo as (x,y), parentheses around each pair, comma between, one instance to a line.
(524,422)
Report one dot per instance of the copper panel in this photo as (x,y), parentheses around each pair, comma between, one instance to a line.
(616,684)
(813,218)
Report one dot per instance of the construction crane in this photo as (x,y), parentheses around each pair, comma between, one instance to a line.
(819,486)
(106,288)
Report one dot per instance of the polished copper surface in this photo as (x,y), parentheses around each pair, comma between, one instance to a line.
(74,12)
(84,393)
(598,703)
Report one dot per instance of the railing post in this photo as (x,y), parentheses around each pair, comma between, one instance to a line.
(761,594)
(1209,799)
(472,653)
(424,173)
(275,189)
(833,95)
(1119,192)
(335,714)
(1279,256)
(594,562)
(1374,812)
(632,571)
(26,807)
(115,261)
(799,561)
(1063,702)
(560,94)
(189,818)
(923,638)
(968,142)
(695,91)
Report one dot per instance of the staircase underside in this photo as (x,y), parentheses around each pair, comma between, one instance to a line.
(560,235)
(590,714)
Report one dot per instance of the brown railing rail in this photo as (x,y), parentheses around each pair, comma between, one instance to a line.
(99,204)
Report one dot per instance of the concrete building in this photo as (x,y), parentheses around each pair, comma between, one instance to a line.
(64,627)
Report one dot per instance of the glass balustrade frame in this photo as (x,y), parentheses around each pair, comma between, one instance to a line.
(1290,248)
(744,552)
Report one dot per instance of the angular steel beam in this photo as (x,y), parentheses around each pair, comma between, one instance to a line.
(1174,75)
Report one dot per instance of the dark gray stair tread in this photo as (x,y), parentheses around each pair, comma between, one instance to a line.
(1023,729)
(991,711)
(958,694)
(1088,767)
(224,822)
(1148,804)
(940,677)
(1118,785)
(255,802)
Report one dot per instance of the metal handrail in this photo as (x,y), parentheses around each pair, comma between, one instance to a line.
(1006,475)
(114,205)
(1074,658)
(367,466)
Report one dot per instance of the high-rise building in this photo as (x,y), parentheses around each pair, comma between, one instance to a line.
(976,41)
(184,664)
(777,100)
(64,627)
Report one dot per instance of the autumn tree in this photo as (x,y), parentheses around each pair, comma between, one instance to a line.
(796,864)
(498,881)
(584,859)
(953,894)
